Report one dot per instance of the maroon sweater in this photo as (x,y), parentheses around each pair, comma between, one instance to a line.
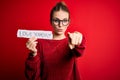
(54,61)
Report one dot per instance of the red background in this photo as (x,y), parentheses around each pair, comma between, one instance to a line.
(98,20)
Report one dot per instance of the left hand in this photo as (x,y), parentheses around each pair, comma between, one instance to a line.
(74,39)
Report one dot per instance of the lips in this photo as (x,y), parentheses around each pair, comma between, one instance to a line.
(59,30)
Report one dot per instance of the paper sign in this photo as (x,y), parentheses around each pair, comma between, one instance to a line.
(34,33)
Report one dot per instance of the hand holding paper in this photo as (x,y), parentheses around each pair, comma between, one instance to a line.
(31,45)
(33,35)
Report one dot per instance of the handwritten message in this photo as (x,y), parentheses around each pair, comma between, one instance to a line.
(34,33)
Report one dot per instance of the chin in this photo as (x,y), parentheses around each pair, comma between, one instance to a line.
(59,33)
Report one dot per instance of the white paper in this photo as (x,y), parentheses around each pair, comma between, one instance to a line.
(34,33)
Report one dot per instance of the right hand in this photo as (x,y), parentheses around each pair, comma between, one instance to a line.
(31,45)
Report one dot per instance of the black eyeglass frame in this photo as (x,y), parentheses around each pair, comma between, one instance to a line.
(59,21)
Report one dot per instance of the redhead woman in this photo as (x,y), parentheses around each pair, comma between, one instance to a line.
(55,59)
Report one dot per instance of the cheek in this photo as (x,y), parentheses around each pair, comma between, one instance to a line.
(65,28)
(53,26)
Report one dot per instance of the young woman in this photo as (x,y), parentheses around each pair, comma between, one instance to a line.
(55,59)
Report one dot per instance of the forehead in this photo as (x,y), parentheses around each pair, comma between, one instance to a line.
(61,14)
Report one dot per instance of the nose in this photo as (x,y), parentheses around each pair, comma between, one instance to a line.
(60,24)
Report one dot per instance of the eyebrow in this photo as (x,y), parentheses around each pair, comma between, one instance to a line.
(60,19)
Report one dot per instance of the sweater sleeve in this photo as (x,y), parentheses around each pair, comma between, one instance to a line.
(32,67)
(79,49)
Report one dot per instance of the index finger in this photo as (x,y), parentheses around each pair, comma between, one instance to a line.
(70,35)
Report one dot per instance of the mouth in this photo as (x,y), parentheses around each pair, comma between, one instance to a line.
(59,30)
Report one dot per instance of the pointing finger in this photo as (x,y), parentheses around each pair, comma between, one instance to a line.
(70,35)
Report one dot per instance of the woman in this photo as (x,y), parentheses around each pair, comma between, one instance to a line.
(55,59)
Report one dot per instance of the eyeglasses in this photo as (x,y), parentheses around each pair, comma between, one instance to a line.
(56,22)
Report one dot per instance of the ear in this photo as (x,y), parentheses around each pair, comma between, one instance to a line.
(69,20)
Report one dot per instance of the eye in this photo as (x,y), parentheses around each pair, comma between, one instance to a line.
(65,20)
(56,20)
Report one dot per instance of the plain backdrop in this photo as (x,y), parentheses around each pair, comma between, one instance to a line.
(98,20)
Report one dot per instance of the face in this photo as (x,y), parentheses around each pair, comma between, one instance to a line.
(60,22)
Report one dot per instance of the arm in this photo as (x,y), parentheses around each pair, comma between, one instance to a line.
(76,43)
(32,67)
(33,62)
(79,49)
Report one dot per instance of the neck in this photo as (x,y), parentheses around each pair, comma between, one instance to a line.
(58,37)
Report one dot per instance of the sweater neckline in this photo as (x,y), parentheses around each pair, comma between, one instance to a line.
(59,39)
